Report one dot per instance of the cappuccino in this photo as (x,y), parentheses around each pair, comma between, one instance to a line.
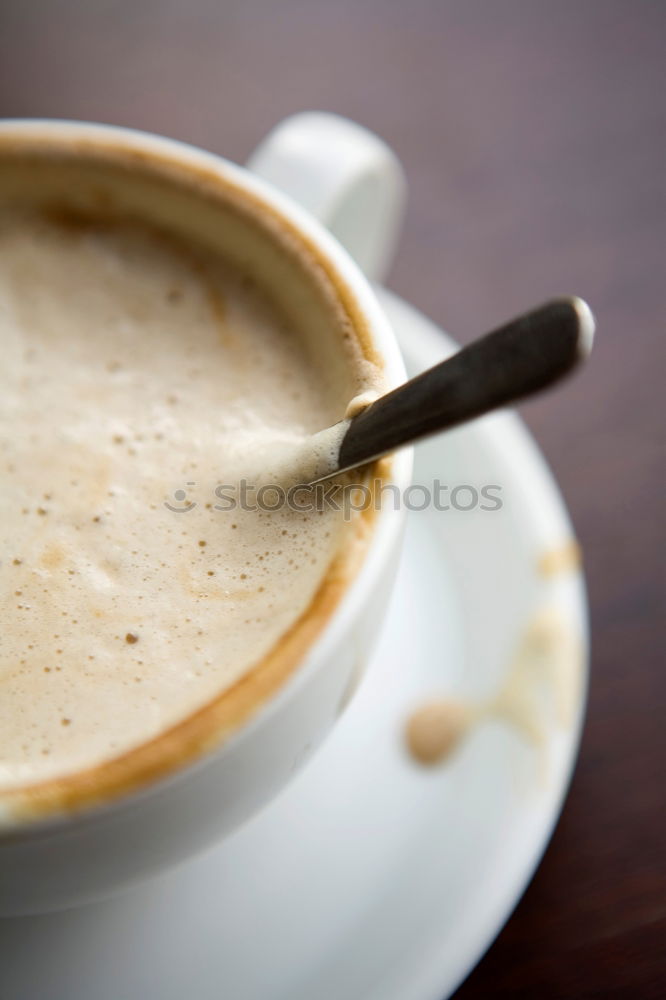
(139,376)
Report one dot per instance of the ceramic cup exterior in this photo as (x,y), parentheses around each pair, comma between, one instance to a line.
(348,184)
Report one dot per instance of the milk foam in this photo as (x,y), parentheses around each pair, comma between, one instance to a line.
(137,377)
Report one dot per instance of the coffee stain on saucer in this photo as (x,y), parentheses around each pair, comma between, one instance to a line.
(435,729)
(540,691)
(562,559)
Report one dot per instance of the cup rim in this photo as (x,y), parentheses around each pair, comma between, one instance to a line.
(92,790)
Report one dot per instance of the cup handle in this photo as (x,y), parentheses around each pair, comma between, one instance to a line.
(344,175)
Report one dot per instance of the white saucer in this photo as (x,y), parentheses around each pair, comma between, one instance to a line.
(369,878)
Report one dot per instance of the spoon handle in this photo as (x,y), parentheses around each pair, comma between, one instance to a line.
(514,361)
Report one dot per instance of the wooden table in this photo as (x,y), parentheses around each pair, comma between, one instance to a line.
(532,133)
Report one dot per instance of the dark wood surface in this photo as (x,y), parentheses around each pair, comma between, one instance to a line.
(533,137)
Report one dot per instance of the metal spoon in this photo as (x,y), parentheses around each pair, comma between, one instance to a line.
(518,359)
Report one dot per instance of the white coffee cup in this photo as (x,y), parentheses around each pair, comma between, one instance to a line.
(345,179)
